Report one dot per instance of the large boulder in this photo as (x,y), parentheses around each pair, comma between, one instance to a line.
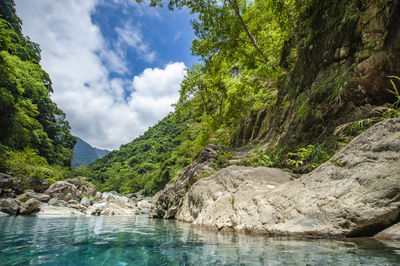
(10,206)
(38,184)
(29,206)
(356,193)
(64,191)
(167,201)
(218,196)
(83,186)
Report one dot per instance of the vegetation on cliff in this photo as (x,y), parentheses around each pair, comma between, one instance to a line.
(35,139)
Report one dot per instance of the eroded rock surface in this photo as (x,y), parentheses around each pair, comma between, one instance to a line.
(357,193)
(167,201)
(29,206)
(391,233)
(64,191)
(9,206)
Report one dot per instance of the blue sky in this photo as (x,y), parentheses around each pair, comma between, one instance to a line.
(116,65)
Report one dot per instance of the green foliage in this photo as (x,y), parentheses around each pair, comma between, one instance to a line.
(222,159)
(28,164)
(35,139)
(269,158)
(312,156)
(149,162)
(300,156)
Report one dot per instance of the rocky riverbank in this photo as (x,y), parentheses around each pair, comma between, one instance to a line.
(356,193)
(73,197)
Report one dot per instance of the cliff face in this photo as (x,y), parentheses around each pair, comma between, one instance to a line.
(345,52)
(354,194)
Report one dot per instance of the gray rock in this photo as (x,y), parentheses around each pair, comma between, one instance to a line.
(29,206)
(85,202)
(133,201)
(137,195)
(229,189)
(167,201)
(3,214)
(6,181)
(46,210)
(357,193)
(38,184)
(57,202)
(7,193)
(83,186)
(92,201)
(99,195)
(391,233)
(112,208)
(73,202)
(28,194)
(10,206)
(78,207)
(64,191)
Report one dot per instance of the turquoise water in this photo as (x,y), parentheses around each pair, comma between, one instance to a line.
(141,241)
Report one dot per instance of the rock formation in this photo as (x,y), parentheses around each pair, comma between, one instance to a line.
(356,193)
(167,201)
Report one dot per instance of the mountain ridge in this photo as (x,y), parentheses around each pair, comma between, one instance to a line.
(85,154)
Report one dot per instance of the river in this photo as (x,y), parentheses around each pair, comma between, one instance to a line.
(138,240)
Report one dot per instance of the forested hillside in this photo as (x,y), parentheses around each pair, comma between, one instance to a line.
(35,139)
(148,162)
(298,78)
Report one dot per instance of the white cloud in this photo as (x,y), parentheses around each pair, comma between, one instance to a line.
(177,36)
(132,36)
(79,62)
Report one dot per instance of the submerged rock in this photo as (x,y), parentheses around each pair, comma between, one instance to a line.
(357,193)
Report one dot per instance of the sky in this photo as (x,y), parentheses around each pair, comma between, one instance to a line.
(116,65)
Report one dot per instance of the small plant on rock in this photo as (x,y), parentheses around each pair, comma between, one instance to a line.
(300,156)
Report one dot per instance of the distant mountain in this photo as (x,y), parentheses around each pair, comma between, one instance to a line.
(85,154)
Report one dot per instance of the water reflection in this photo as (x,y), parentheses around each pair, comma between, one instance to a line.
(141,241)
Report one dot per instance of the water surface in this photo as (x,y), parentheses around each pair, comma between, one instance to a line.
(142,241)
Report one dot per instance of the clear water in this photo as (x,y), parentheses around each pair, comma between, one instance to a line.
(141,241)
